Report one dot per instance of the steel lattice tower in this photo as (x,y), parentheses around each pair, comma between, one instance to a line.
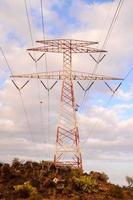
(67,136)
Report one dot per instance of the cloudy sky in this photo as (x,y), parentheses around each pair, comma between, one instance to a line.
(105,126)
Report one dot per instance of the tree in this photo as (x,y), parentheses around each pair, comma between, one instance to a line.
(129,181)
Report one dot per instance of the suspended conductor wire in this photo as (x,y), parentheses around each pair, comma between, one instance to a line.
(46,65)
(23,106)
(109,101)
(38,86)
(105,22)
(26,114)
(28,20)
(84,95)
(6,61)
(42,17)
(113,22)
(114,19)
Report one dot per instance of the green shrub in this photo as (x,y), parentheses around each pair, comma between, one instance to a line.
(86,184)
(76,172)
(26,190)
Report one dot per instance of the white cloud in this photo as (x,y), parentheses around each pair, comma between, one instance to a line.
(106,133)
(127,96)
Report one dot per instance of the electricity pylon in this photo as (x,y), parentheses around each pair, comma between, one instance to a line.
(67,136)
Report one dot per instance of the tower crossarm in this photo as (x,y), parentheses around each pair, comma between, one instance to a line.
(67,136)
(64,41)
(89,76)
(61,45)
(61,49)
(61,75)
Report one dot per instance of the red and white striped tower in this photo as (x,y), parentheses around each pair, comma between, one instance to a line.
(67,136)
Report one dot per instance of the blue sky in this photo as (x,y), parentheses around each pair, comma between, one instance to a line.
(64,13)
(96,1)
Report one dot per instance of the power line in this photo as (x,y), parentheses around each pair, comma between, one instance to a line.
(6,61)
(83,98)
(105,22)
(26,114)
(28,20)
(109,101)
(67,137)
(46,65)
(23,106)
(36,67)
(114,19)
(42,17)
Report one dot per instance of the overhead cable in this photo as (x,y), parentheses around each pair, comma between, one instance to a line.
(46,65)
(109,101)
(35,61)
(23,106)
(115,17)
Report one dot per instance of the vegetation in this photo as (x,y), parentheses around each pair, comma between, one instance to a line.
(99,176)
(86,184)
(37,181)
(27,191)
(129,181)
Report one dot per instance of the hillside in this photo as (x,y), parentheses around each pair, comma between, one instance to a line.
(44,180)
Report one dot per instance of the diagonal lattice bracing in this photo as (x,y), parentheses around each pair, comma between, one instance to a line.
(67,135)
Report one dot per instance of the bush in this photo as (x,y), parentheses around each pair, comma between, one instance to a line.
(23,193)
(6,172)
(16,163)
(103,177)
(35,183)
(86,184)
(26,190)
(129,181)
(76,172)
(99,176)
